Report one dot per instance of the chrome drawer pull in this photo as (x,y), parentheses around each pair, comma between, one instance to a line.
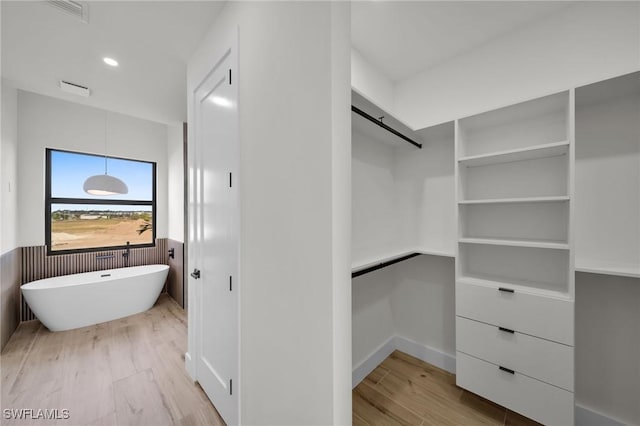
(506,330)
(508,370)
(506,290)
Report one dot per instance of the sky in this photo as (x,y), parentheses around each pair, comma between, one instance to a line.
(70,170)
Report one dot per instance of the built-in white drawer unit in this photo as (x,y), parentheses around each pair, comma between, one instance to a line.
(546,317)
(540,401)
(515,277)
(541,359)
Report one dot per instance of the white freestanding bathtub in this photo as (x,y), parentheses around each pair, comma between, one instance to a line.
(78,300)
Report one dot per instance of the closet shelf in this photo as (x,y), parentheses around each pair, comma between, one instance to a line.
(527,287)
(381,263)
(362,268)
(529,153)
(607,268)
(516,243)
(432,252)
(516,200)
(373,122)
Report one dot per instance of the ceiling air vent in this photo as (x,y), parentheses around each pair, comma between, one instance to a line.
(74,89)
(79,10)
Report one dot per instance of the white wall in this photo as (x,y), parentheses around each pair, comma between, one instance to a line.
(403,197)
(369,82)
(423,302)
(341,209)
(608,345)
(175,183)
(607,175)
(291,79)
(9,262)
(375,226)
(425,189)
(583,43)
(9,169)
(413,299)
(372,321)
(45,122)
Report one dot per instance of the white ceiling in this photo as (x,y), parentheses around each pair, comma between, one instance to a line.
(152,40)
(402,39)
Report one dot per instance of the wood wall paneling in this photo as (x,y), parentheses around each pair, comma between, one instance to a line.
(10,297)
(185,218)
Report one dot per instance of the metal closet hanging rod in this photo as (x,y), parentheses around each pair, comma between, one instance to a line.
(383,265)
(384,126)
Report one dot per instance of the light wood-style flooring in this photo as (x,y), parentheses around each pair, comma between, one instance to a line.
(131,372)
(404,390)
(125,372)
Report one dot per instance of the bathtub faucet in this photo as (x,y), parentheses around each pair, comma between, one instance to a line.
(126,254)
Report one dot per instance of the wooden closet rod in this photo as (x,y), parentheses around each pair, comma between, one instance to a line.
(384,126)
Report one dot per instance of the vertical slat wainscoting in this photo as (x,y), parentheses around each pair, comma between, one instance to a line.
(36,265)
(175,280)
(10,264)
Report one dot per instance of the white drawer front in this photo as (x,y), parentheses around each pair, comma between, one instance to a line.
(532,398)
(540,316)
(541,359)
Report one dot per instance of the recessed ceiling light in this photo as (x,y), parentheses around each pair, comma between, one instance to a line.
(110,61)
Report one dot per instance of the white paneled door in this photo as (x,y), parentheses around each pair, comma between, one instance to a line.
(215,236)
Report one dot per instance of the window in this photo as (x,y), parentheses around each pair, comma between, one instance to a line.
(79,222)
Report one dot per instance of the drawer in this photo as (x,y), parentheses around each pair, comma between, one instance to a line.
(541,359)
(540,316)
(530,397)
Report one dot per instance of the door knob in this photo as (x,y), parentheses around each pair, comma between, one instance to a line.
(196,274)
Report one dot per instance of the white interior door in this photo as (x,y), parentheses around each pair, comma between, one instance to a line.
(215,266)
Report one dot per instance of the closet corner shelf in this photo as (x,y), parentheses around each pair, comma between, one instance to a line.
(516,243)
(607,268)
(379,123)
(561,198)
(435,252)
(362,268)
(529,153)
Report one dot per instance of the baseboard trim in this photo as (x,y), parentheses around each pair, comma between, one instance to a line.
(364,368)
(408,346)
(189,366)
(426,353)
(585,416)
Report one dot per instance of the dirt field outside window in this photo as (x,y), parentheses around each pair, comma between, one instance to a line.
(102,232)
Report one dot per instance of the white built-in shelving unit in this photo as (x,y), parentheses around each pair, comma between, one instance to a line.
(496,192)
(514,269)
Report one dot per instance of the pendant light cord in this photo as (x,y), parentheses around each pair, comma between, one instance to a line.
(106,116)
